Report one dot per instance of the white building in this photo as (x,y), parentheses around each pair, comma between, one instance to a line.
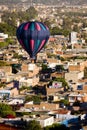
(43,120)
(3,35)
(46,121)
(16,101)
(73,37)
(31,81)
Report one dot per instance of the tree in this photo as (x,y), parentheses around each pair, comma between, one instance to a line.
(64,83)
(8,29)
(55,31)
(3,63)
(2,85)
(3,44)
(57,127)
(64,101)
(47,22)
(31,13)
(6,110)
(75,28)
(59,68)
(16,55)
(76,103)
(45,69)
(36,99)
(6,42)
(33,125)
(10,19)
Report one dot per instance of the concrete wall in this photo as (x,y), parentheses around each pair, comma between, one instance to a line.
(74,76)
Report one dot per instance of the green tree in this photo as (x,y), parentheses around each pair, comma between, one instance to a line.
(6,42)
(3,44)
(2,85)
(67,22)
(9,41)
(16,55)
(6,110)
(65,102)
(36,99)
(55,31)
(76,28)
(64,83)
(45,69)
(33,125)
(57,127)
(59,68)
(47,22)
(3,63)
(31,13)
(8,29)
(10,18)
(44,66)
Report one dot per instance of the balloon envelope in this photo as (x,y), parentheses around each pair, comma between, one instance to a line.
(32,36)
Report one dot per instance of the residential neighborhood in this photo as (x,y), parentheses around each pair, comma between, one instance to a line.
(53,87)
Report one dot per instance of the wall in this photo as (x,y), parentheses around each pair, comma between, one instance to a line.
(74,76)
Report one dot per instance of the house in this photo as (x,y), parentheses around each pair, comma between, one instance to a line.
(4,94)
(3,37)
(58,74)
(43,120)
(14,92)
(55,97)
(41,56)
(7,93)
(6,69)
(84,30)
(16,101)
(77,65)
(31,68)
(29,74)
(78,46)
(77,96)
(11,89)
(51,90)
(53,62)
(62,114)
(75,76)
(29,77)
(52,39)
(29,81)
(42,106)
(81,88)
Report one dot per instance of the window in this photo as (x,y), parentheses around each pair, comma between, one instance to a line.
(80,87)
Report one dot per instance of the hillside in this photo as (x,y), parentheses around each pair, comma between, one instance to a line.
(50,2)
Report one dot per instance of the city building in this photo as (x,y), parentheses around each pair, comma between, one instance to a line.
(73,38)
(74,76)
(77,96)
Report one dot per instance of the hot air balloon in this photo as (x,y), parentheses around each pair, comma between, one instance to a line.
(32,36)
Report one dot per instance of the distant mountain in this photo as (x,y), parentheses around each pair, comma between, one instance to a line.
(9,1)
(50,2)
